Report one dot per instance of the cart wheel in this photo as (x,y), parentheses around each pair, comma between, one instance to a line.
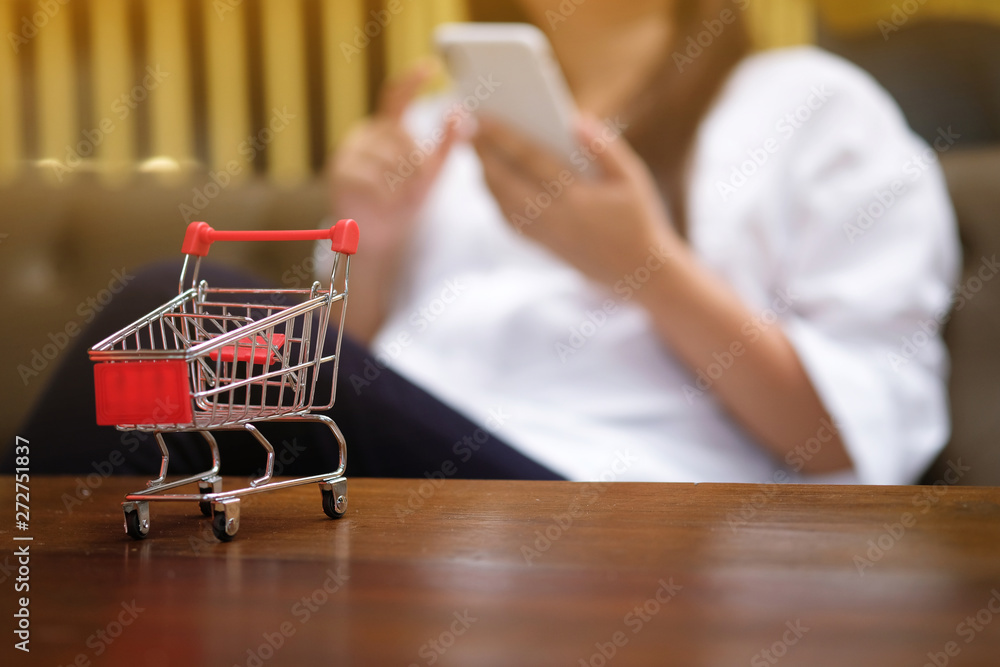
(225,519)
(213,485)
(219,527)
(136,527)
(335,501)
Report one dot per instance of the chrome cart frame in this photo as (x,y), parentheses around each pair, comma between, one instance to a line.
(226,359)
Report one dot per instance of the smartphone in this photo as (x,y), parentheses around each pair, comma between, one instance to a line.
(507,70)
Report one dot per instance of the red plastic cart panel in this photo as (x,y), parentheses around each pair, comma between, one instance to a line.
(242,350)
(142,392)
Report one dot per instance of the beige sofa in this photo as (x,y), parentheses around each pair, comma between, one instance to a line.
(973,333)
(65,246)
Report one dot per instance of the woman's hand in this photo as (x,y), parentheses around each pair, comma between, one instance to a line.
(366,180)
(611,226)
(607,225)
(375,179)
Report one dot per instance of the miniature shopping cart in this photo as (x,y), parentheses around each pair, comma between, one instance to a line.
(224,359)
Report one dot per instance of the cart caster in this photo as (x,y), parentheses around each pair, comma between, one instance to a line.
(334,498)
(136,519)
(213,485)
(225,519)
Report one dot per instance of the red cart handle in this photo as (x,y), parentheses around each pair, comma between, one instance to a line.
(200,236)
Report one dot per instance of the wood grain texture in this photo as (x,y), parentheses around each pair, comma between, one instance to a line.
(745,563)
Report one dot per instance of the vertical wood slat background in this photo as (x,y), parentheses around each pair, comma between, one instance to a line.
(55,85)
(778,23)
(168,49)
(227,80)
(346,73)
(285,91)
(44,114)
(855,16)
(10,95)
(111,72)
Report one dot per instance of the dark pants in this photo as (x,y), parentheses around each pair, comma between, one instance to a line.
(392,427)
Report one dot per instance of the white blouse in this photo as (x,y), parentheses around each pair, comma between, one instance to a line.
(808,196)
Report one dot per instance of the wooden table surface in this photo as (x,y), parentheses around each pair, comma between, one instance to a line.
(515,573)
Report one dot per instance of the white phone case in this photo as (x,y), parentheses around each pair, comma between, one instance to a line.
(507,70)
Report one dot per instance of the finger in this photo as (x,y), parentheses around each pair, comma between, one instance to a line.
(397,94)
(434,163)
(364,179)
(390,145)
(538,162)
(465,125)
(508,186)
(348,163)
(612,154)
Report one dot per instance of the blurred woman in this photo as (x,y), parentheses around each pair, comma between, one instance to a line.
(752,289)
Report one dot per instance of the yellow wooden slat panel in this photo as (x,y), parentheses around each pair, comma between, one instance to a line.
(346,55)
(287,123)
(777,23)
(228,98)
(858,16)
(444,11)
(407,34)
(170,95)
(58,127)
(447,11)
(410,36)
(10,93)
(113,83)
